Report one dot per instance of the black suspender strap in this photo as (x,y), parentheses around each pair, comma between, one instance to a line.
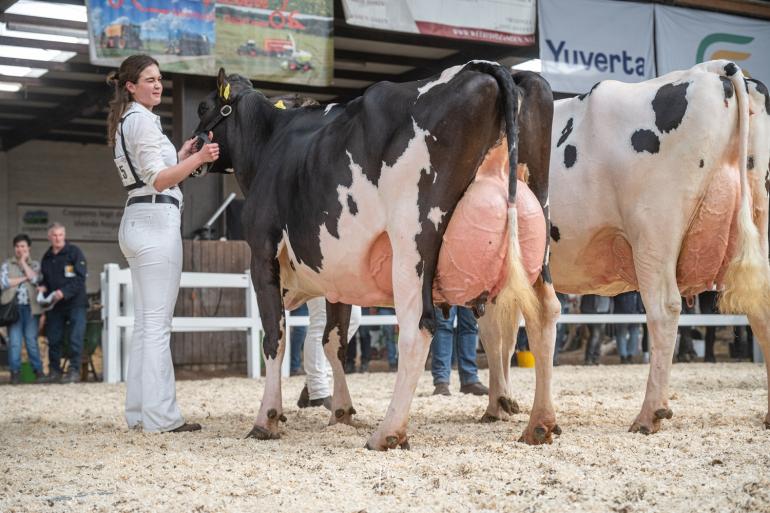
(137,181)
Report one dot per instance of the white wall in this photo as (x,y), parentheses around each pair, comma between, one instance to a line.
(55,173)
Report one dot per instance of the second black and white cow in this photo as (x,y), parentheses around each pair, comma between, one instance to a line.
(352,201)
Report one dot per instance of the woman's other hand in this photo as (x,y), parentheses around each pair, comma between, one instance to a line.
(209,152)
(187,149)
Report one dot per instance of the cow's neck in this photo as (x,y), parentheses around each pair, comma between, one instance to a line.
(254,119)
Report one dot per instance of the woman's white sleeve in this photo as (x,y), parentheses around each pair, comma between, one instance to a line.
(143,141)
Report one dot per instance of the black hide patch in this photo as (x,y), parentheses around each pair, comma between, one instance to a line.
(584,95)
(670,105)
(570,156)
(727,86)
(762,89)
(730,69)
(645,140)
(750,162)
(555,235)
(701,163)
(352,207)
(565,133)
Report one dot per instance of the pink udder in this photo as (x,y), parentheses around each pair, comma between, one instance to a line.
(475,245)
(710,241)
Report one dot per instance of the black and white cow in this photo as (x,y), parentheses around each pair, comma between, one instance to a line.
(352,201)
(657,186)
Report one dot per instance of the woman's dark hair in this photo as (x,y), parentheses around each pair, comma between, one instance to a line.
(129,71)
(22,237)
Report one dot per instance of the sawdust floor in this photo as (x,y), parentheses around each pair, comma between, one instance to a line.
(66,448)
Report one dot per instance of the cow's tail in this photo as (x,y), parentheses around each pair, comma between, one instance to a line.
(747,279)
(517,295)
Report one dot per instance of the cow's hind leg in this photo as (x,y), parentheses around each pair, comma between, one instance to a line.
(266,276)
(541,333)
(657,284)
(335,344)
(760,324)
(495,337)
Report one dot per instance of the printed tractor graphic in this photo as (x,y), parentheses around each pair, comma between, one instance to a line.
(121,35)
(293,59)
(188,43)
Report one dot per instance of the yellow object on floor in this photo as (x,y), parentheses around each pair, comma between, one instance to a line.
(525,359)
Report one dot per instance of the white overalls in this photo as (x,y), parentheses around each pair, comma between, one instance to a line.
(151,240)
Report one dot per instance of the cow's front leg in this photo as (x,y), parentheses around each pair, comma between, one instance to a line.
(335,344)
(760,325)
(495,338)
(663,305)
(266,276)
(541,333)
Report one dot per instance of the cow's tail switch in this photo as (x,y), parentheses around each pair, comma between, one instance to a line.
(517,295)
(747,280)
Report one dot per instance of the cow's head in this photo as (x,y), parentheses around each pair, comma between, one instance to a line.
(214,112)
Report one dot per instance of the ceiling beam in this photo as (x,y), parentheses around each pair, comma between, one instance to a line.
(72,138)
(5,4)
(45,45)
(381,58)
(43,22)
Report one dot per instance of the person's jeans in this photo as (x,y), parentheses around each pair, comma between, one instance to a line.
(55,323)
(389,334)
(24,328)
(442,346)
(297,340)
(594,346)
(627,339)
(366,348)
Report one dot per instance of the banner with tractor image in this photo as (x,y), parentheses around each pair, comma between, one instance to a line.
(271,40)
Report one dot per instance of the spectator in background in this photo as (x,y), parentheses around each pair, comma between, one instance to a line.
(366,352)
(707,301)
(316,391)
(686,351)
(463,345)
(297,340)
(64,275)
(627,335)
(388,332)
(593,304)
(561,328)
(18,277)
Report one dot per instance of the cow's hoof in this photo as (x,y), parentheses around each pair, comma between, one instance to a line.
(767,424)
(343,416)
(664,413)
(390,442)
(508,405)
(540,435)
(261,433)
(488,418)
(638,427)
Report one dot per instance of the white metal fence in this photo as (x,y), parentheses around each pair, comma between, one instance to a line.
(118,319)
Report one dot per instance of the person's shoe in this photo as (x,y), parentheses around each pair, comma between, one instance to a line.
(72,376)
(53,377)
(475,389)
(364,367)
(186,427)
(297,372)
(15,378)
(392,367)
(350,368)
(305,401)
(442,389)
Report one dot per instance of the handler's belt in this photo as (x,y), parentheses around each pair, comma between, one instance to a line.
(154,198)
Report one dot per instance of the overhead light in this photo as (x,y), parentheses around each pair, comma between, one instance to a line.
(22,71)
(535,65)
(10,87)
(4,31)
(49,10)
(35,54)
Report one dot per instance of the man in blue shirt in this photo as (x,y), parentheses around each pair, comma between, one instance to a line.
(64,274)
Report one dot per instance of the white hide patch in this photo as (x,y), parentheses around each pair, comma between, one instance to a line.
(435,216)
(446,75)
(328,108)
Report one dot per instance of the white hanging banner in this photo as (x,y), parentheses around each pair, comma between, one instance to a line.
(508,22)
(685,37)
(585,41)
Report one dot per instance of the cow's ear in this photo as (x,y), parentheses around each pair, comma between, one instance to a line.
(223,86)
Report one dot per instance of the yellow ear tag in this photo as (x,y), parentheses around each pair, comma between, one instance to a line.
(280,105)
(226,92)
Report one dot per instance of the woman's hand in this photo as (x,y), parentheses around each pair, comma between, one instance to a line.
(209,152)
(187,149)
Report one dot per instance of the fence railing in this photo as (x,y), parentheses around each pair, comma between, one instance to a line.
(118,319)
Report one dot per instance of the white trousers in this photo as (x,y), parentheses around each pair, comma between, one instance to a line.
(151,241)
(317,366)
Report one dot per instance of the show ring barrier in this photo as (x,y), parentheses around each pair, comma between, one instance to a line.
(118,319)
